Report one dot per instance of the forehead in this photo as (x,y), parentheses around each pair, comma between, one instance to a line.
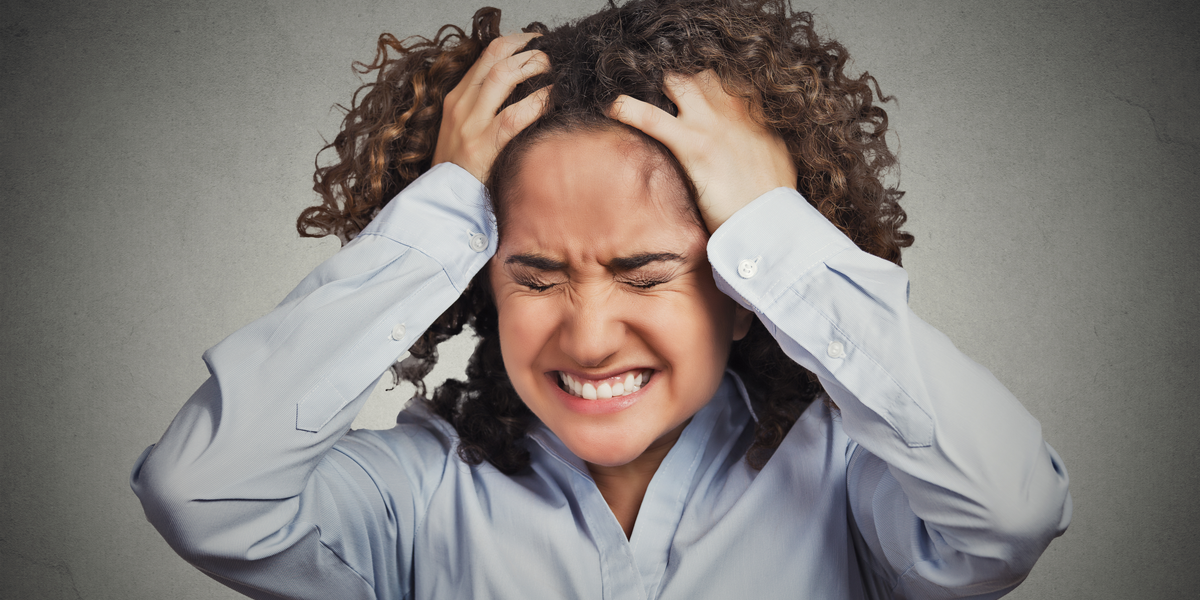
(597,193)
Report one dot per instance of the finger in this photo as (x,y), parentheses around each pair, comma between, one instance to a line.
(709,84)
(505,75)
(466,92)
(497,50)
(677,85)
(687,91)
(702,96)
(651,120)
(517,117)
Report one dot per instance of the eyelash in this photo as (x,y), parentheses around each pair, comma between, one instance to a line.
(536,287)
(641,284)
(533,284)
(646,283)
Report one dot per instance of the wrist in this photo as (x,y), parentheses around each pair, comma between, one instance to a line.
(717,215)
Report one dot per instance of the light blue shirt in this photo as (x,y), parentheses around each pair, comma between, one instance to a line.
(929,480)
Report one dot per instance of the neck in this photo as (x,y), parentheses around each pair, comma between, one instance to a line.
(624,486)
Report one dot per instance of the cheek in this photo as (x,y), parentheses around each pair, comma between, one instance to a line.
(714,309)
(717,316)
(524,330)
(696,329)
(717,312)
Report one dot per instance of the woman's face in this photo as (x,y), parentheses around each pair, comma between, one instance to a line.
(611,328)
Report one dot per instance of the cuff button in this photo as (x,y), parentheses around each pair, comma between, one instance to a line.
(479,242)
(747,268)
(836,350)
(398,332)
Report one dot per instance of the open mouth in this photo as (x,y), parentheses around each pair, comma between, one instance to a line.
(610,387)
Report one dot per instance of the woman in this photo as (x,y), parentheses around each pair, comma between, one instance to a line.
(643,227)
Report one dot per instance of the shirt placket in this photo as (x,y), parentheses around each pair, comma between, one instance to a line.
(633,568)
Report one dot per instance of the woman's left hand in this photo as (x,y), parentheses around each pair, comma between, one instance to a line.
(731,158)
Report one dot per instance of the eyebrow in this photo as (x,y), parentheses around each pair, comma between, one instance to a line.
(621,263)
(535,261)
(637,261)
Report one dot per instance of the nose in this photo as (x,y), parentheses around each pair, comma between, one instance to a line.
(592,330)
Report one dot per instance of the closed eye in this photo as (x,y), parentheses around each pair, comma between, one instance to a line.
(647,270)
(646,283)
(534,284)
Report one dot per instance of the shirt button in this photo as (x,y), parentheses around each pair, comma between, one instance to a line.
(747,268)
(836,350)
(479,242)
(398,332)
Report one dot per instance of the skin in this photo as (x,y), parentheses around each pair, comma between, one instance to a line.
(594,320)
(730,158)
(584,211)
(472,133)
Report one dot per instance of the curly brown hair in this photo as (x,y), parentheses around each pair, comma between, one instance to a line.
(760,50)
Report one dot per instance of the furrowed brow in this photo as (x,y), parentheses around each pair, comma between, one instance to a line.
(535,261)
(637,261)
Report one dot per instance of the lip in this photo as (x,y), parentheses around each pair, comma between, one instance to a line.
(600,406)
(598,376)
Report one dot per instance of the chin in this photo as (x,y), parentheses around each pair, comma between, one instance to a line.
(602,449)
(608,457)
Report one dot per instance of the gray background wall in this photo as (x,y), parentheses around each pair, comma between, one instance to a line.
(155,154)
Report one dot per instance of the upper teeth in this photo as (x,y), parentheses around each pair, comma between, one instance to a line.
(611,387)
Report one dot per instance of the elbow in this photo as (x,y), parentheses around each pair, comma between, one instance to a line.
(993,555)
(1039,511)
(194,512)
(998,537)
(1023,534)
(173,505)
(1028,528)
(1022,524)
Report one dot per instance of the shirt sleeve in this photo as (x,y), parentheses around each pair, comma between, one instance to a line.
(950,484)
(244,483)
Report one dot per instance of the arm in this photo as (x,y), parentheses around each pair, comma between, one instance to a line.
(243,484)
(950,483)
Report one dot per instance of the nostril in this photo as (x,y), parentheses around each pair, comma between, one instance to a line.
(590,336)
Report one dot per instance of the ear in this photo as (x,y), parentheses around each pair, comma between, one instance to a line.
(742,319)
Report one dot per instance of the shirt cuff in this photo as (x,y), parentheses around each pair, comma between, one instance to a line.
(837,311)
(444,210)
(778,228)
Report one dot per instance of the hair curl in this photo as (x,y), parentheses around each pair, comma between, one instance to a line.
(760,50)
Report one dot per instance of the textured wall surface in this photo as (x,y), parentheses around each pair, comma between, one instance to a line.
(155,154)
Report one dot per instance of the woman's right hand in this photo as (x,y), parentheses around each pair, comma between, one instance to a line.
(472,133)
